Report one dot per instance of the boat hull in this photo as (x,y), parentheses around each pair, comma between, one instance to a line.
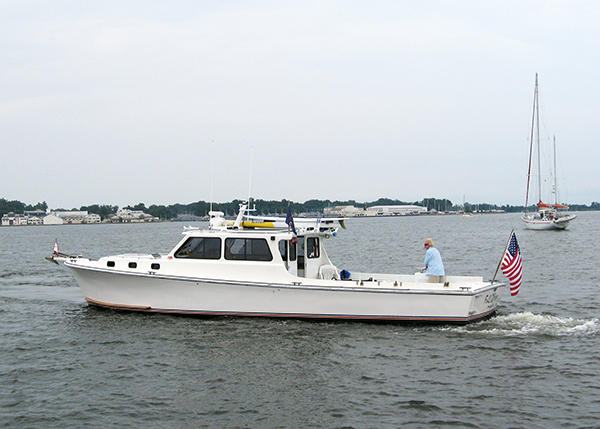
(318,299)
(560,223)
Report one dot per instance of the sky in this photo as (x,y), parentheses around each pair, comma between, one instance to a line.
(127,102)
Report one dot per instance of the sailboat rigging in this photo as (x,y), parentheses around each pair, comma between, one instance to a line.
(547,216)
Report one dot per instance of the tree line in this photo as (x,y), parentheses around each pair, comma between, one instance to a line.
(19,207)
(264,207)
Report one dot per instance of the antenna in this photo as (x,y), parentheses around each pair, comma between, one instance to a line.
(211,180)
(250,178)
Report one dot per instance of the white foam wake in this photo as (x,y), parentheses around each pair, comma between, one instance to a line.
(527,323)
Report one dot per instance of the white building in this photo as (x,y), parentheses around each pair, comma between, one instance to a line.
(398,210)
(39,217)
(11,219)
(72,216)
(93,218)
(34,220)
(126,215)
(52,219)
(348,211)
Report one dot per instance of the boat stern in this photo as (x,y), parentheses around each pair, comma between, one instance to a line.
(485,302)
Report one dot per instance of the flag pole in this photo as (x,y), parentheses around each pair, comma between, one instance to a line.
(503,253)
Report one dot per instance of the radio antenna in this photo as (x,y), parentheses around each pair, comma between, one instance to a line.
(211,180)
(250,178)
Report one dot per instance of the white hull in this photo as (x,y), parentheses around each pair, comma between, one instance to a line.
(233,270)
(532,221)
(463,300)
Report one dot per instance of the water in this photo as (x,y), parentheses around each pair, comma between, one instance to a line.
(535,365)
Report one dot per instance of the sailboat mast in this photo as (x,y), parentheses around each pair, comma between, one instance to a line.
(555,175)
(539,155)
(535,100)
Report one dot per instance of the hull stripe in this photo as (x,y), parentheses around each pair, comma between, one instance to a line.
(291,315)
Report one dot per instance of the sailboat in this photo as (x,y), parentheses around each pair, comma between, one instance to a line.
(548,216)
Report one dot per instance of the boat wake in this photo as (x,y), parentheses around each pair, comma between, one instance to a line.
(527,323)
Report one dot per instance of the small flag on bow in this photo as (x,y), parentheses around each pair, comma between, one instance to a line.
(512,266)
(289,219)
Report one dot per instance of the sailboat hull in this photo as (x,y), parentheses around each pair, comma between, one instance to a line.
(535,222)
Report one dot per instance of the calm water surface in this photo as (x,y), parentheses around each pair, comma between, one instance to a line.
(534,365)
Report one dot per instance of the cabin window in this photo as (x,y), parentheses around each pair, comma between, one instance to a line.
(283,245)
(288,248)
(247,249)
(110,263)
(300,252)
(200,248)
(312,247)
(133,265)
(155,266)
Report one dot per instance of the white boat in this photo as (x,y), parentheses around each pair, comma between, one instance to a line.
(547,216)
(230,269)
(303,223)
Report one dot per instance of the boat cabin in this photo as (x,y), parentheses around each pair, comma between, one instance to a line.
(302,255)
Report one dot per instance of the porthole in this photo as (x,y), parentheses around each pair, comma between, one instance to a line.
(155,266)
(110,264)
(133,265)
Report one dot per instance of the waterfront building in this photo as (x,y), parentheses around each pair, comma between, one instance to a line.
(395,210)
(12,219)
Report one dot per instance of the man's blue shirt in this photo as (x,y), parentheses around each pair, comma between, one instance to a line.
(433,261)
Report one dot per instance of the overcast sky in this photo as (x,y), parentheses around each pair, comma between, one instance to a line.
(122,102)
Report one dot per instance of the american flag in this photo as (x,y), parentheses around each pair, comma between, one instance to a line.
(512,265)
